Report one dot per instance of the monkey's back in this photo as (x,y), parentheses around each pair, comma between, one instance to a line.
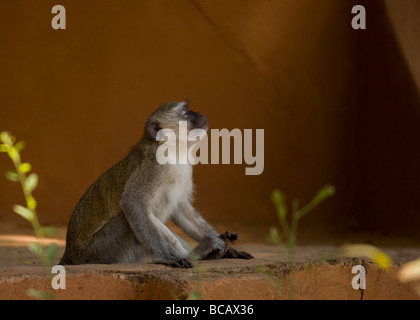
(98,205)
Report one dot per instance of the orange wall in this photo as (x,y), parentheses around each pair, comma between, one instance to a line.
(80,96)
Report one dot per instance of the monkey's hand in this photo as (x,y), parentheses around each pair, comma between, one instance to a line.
(229,237)
(231,253)
(220,248)
(211,249)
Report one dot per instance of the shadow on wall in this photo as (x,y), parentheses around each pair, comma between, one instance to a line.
(387,183)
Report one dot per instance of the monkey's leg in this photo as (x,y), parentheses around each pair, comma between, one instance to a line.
(114,243)
(182,241)
(155,236)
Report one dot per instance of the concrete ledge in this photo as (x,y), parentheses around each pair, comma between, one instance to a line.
(318,274)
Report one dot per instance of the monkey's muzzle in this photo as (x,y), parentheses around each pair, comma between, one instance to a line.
(202,122)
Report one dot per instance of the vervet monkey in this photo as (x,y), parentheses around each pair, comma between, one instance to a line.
(121,217)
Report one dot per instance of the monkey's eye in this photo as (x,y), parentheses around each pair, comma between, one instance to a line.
(184,113)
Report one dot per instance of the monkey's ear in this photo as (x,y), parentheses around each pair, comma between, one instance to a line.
(153,128)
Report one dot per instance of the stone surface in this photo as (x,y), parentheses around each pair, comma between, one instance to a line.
(318,273)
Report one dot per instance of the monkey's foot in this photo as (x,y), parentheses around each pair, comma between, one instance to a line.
(181,263)
(235,254)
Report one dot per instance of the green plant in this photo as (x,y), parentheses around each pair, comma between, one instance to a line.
(287,236)
(272,279)
(198,271)
(28,182)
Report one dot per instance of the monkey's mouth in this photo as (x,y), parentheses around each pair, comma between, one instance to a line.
(202,123)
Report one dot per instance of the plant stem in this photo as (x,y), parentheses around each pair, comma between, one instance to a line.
(285,227)
(311,205)
(34,221)
(294,224)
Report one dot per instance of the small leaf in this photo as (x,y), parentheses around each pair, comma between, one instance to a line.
(369,251)
(20,145)
(38,294)
(25,167)
(50,254)
(326,192)
(382,260)
(12,175)
(5,137)
(275,196)
(31,202)
(31,182)
(50,230)
(273,236)
(36,248)
(195,295)
(3,148)
(279,200)
(264,270)
(13,154)
(23,212)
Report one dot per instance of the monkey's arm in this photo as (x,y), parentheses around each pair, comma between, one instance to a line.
(190,221)
(153,234)
(210,244)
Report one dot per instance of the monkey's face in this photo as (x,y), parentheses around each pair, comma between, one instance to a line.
(194,119)
(171,114)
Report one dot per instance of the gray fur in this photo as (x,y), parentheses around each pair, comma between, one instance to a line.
(121,217)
